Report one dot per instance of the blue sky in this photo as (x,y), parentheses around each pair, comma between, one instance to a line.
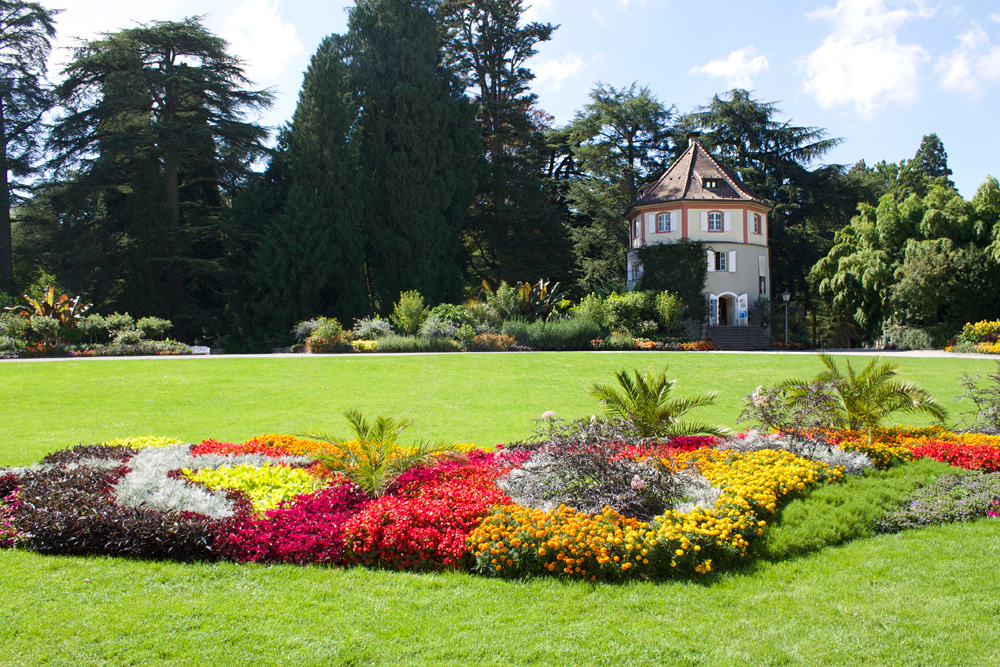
(879,74)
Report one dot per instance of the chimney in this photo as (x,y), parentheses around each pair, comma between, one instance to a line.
(693,136)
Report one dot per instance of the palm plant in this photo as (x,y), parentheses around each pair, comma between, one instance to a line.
(863,400)
(645,405)
(374,459)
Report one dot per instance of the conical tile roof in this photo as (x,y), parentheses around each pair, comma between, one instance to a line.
(685,179)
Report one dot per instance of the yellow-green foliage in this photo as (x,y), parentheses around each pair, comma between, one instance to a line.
(365,345)
(144,441)
(267,486)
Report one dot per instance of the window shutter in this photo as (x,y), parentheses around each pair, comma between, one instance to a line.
(711,261)
(704,221)
(727,221)
(651,222)
(732,261)
(763,222)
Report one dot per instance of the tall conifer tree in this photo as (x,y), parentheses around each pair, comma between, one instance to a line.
(311,260)
(417,147)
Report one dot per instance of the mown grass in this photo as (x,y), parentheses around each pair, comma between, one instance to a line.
(481,398)
(927,597)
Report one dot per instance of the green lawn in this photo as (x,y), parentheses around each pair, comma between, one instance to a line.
(928,597)
(480,398)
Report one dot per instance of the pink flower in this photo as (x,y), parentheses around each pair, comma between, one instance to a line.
(637,483)
(548,414)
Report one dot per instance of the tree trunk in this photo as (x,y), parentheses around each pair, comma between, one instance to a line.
(6,238)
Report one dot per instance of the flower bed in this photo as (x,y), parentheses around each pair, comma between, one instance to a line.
(266,500)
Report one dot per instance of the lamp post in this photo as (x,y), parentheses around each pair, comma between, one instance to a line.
(785,297)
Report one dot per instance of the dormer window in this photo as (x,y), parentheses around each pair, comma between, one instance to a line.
(710,183)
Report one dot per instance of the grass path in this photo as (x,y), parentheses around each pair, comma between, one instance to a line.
(480,398)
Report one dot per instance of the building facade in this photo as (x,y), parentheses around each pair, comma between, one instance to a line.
(700,200)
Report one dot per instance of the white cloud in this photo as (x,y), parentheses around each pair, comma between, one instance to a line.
(995,17)
(257,34)
(531,13)
(555,72)
(862,62)
(737,68)
(972,62)
(255,29)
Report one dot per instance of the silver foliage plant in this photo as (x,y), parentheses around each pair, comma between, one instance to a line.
(147,484)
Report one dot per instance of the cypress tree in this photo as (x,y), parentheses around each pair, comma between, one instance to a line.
(311,259)
(417,143)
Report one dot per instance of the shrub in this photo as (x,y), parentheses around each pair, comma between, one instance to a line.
(10,347)
(93,325)
(489,342)
(561,334)
(668,308)
(327,336)
(504,303)
(618,340)
(985,417)
(153,327)
(594,308)
(415,344)
(450,313)
(516,329)
(628,311)
(465,334)
(409,312)
(947,499)
(14,326)
(304,329)
(901,337)
(834,514)
(980,332)
(128,337)
(45,326)
(437,326)
(118,322)
(371,328)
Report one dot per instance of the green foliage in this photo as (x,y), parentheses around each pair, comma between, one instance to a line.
(629,311)
(26,31)
(645,405)
(561,334)
(985,416)
(594,308)
(620,139)
(375,459)
(128,337)
(326,336)
(93,325)
(415,344)
(516,227)
(311,256)
(863,400)
(680,268)
(417,148)
(516,329)
(504,302)
(668,308)
(836,513)
(118,322)
(45,326)
(913,260)
(409,312)
(153,327)
(153,135)
(65,310)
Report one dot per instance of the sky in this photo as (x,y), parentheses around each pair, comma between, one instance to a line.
(878,74)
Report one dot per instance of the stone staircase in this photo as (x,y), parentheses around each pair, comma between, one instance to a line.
(739,338)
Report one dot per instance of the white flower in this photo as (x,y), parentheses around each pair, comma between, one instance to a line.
(548,414)
(637,483)
(758,398)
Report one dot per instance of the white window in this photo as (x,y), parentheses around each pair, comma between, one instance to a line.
(711,183)
(721,261)
(663,222)
(756,224)
(715,222)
